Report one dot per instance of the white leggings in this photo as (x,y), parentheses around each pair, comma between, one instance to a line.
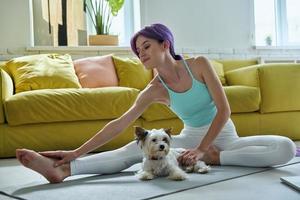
(254,151)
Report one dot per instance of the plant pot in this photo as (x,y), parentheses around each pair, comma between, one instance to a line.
(108,40)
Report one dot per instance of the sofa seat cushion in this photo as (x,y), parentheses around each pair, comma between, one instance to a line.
(60,105)
(243,99)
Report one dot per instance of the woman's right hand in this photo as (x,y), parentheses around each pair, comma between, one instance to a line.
(62,157)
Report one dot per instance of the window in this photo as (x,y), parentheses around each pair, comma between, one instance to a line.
(64,23)
(277,22)
(124,24)
(293,19)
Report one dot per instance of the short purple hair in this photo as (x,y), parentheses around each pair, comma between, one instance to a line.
(157,32)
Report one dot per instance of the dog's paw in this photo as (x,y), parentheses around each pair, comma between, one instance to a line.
(204,170)
(144,176)
(201,168)
(189,169)
(177,176)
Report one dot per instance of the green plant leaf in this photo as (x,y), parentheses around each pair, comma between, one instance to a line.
(115,6)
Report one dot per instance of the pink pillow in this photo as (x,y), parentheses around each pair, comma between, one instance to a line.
(98,71)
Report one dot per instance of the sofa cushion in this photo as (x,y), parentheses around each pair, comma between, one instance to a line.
(61,105)
(43,71)
(243,76)
(132,73)
(219,70)
(236,64)
(98,71)
(243,99)
(3,65)
(6,90)
(158,111)
(280,86)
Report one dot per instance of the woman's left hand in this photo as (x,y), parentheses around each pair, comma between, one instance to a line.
(190,157)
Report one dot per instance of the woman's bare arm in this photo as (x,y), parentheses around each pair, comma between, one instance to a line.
(115,127)
(223,110)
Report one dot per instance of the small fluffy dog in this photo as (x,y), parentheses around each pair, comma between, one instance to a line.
(160,159)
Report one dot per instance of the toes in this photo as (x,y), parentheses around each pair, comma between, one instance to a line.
(20,153)
(24,156)
(27,158)
(40,164)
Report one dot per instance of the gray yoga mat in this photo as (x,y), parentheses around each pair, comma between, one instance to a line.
(126,186)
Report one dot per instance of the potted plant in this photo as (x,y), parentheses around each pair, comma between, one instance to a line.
(101,13)
(268,40)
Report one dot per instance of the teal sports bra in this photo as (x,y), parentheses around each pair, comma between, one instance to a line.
(195,107)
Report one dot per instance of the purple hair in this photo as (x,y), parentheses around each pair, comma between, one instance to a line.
(157,32)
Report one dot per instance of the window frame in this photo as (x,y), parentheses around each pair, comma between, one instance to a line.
(281,23)
(281,26)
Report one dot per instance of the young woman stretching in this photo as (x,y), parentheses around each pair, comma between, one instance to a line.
(192,90)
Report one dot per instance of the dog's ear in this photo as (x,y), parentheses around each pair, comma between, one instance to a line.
(168,131)
(140,133)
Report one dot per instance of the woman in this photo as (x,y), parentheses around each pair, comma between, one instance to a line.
(193,91)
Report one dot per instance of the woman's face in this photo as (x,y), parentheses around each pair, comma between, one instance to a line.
(150,51)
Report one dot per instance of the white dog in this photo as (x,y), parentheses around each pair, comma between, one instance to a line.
(160,159)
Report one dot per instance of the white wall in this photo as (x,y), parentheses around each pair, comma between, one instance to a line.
(221,29)
(203,23)
(15,24)
(195,23)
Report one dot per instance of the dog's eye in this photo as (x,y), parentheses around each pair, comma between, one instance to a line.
(154,140)
(165,140)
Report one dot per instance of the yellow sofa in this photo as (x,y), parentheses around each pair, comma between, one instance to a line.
(264,99)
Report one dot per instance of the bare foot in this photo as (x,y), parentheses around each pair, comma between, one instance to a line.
(212,156)
(43,165)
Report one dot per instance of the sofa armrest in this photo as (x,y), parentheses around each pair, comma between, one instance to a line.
(6,90)
(279,86)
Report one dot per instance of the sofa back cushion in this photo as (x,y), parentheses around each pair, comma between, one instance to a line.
(280,86)
(247,76)
(158,111)
(62,105)
(218,67)
(6,90)
(43,71)
(243,99)
(3,65)
(98,71)
(235,64)
(132,73)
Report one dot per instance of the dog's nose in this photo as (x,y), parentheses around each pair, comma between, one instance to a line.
(161,147)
